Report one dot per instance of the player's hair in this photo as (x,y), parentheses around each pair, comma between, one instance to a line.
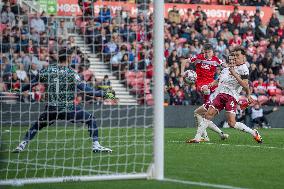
(239,48)
(62,56)
(207,46)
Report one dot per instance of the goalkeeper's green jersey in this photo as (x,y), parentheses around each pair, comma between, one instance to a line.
(61,86)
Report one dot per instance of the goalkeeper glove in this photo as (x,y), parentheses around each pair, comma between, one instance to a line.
(109,95)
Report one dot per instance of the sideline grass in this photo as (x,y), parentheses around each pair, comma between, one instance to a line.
(238,162)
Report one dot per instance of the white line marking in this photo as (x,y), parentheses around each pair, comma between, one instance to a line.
(201,184)
(237,145)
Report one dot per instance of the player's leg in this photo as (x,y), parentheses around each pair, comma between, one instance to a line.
(80,115)
(202,126)
(231,107)
(44,119)
(206,93)
(198,113)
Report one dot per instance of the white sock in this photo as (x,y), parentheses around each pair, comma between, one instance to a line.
(205,135)
(198,119)
(200,130)
(243,127)
(96,143)
(214,127)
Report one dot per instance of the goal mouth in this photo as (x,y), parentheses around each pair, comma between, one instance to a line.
(82,84)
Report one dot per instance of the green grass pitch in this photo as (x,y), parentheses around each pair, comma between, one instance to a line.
(237,162)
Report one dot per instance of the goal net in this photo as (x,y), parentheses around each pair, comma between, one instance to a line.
(109,46)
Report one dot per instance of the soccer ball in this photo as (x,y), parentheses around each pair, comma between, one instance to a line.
(190,76)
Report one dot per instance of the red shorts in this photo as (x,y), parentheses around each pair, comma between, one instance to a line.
(224,101)
(206,105)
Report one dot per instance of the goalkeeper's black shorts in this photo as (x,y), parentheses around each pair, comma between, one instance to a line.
(77,115)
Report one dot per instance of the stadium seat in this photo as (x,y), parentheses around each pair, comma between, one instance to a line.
(278,92)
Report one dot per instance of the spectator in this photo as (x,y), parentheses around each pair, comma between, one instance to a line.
(260,87)
(62,30)
(195,96)
(174,16)
(258,116)
(276,63)
(8,17)
(106,81)
(38,24)
(188,17)
(199,13)
(236,16)
(104,15)
(3,87)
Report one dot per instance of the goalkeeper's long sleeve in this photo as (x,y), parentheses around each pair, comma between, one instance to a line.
(90,90)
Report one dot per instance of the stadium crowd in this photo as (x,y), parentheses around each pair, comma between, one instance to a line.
(30,43)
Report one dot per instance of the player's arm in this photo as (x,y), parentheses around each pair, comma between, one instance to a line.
(243,81)
(90,90)
(192,60)
(214,83)
(93,92)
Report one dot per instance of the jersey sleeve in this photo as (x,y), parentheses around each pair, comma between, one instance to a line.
(77,78)
(43,75)
(192,59)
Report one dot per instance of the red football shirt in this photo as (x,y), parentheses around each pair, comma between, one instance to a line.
(205,68)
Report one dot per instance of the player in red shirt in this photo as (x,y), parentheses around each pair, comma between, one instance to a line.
(206,65)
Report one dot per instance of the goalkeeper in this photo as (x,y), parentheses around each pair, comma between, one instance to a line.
(61,85)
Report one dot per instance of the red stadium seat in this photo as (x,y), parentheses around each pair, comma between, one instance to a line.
(278,92)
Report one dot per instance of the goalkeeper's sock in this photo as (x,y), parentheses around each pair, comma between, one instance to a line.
(243,127)
(214,128)
(30,134)
(93,129)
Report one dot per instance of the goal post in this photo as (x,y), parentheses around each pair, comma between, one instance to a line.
(132,127)
(159,89)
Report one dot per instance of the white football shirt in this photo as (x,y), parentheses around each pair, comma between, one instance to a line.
(228,84)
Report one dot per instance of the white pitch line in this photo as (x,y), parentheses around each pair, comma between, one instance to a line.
(201,184)
(237,145)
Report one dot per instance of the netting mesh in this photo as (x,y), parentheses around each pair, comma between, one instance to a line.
(109,46)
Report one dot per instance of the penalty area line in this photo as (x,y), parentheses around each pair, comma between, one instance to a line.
(204,184)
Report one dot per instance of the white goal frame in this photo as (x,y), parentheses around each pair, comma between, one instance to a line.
(156,169)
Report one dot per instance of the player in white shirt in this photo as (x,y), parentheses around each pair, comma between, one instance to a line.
(232,80)
(201,133)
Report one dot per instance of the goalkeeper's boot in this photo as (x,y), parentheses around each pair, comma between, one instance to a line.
(224,136)
(21,147)
(98,148)
(257,137)
(190,141)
